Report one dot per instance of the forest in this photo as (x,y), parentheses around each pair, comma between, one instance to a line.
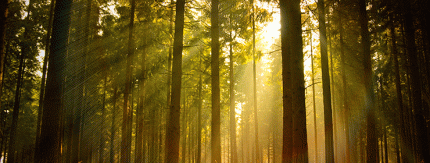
(219,81)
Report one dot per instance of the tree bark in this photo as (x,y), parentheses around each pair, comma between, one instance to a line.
(292,68)
(215,48)
(287,145)
(50,140)
(173,126)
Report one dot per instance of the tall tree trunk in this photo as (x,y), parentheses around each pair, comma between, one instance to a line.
(102,119)
(372,140)
(287,145)
(3,19)
(199,114)
(294,34)
(4,4)
(127,110)
(254,72)
(43,82)
(232,107)
(215,48)
(400,108)
(173,126)
(292,68)
(328,122)
(50,140)
(313,102)
(420,122)
(184,127)
(140,111)
(169,59)
(16,107)
(112,130)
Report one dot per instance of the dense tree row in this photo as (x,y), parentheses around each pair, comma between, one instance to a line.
(200,81)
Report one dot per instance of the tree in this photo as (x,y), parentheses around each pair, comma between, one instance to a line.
(328,122)
(50,140)
(215,48)
(287,148)
(25,52)
(254,73)
(127,111)
(173,124)
(293,84)
(44,71)
(3,18)
(372,140)
(415,82)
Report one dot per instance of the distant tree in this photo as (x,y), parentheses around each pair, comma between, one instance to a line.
(127,110)
(372,140)
(173,123)
(422,150)
(25,52)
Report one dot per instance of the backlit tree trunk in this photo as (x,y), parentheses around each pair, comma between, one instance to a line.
(50,140)
(215,123)
(173,124)
(328,122)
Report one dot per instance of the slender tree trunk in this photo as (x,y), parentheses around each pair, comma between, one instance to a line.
(328,122)
(372,140)
(313,102)
(112,130)
(4,4)
(400,107)
(254,64)
(184,127)
(103,110)
(215,48)
(50,140)
(44,69)
(335,126)
(173,126)
(199,114)
(127,110)
(140,111)
(232,108)
(16,107)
